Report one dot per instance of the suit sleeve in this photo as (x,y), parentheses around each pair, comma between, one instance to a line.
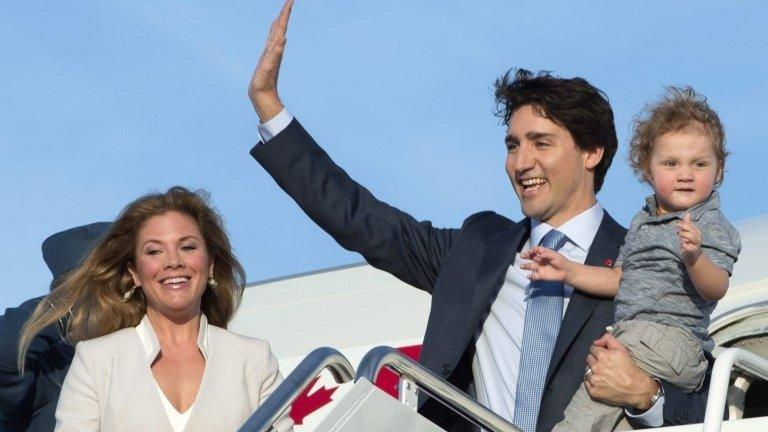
(78,408)
(388,238)
(682,408)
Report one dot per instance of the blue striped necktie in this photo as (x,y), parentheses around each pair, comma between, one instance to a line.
(543,316)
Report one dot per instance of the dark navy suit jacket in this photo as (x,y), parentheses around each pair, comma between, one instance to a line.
(462,268)
(28,400)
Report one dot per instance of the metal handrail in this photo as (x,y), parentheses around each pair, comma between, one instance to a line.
(433,385)
(281,399)
(721,375)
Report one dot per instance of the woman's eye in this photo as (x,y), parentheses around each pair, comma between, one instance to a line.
(153,251)
(669,163)
(188,247)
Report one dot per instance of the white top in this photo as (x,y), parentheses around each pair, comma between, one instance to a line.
(497,363)
(151,346)
(178,420)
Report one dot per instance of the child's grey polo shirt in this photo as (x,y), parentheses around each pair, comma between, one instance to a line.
(654,283)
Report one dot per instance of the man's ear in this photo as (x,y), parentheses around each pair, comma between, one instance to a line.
(134,275)
(593,157)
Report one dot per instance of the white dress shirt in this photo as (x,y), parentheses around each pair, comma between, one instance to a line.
(497,356)
(497,348)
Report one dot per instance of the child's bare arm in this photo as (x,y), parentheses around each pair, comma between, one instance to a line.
(547,264)
(709,280)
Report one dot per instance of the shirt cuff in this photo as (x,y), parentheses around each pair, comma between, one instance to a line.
(653,417)
(275,125)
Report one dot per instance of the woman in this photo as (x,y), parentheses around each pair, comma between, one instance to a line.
(148,309)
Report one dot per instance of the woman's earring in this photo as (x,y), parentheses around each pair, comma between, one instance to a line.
(212,282)
(129,293)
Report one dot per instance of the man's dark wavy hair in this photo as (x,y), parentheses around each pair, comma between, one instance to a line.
(572,103)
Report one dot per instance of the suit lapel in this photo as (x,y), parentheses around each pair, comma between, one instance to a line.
(581,306)
(498,255)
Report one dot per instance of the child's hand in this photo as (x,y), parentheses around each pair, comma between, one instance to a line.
(690,239)
(545,264)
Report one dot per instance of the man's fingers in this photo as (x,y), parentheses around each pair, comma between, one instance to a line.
(596,351)
(270,35)
(285,14)
(591,360)
(279,27)
(613,344)
(602,342)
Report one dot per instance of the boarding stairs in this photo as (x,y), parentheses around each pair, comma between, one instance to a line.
(366,408)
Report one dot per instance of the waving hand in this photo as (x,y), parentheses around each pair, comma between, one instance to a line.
(263,87)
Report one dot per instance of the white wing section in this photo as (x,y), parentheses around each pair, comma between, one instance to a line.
(351,308)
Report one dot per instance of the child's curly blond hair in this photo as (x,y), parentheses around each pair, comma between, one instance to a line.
(679,109)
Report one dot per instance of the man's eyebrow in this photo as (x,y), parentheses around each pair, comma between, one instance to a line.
(537,135)
(509,139)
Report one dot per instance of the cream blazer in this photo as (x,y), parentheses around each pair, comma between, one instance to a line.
(110,386)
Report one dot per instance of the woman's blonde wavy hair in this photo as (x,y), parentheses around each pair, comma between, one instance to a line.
(91,296)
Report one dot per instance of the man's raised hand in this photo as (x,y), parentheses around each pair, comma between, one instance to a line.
(262,89)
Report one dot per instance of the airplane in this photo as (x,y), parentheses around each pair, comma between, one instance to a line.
(356,307)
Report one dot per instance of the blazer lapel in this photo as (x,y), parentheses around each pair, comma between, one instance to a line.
(498,255)
(581,306)
(200,418)
(144,398)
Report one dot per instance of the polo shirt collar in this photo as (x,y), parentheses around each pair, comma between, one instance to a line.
(711,203)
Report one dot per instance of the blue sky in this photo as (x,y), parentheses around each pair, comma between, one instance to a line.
(104,101)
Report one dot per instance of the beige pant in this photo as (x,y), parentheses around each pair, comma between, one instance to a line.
(662,351)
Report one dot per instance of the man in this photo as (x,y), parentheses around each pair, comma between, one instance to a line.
(490,330)
(28,400)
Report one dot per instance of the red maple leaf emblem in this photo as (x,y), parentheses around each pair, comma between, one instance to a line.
(306,403)
(608,262)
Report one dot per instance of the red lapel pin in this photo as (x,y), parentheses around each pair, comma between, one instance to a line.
(608,262)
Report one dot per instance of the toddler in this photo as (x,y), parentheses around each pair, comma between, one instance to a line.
(676,259)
